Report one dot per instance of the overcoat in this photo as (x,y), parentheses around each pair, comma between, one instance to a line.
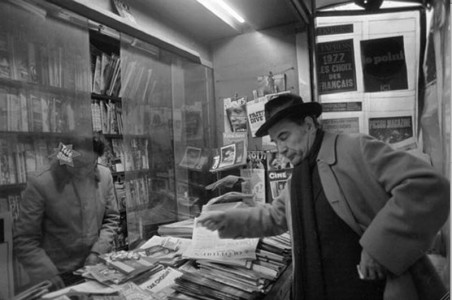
(62,220)
(394,200)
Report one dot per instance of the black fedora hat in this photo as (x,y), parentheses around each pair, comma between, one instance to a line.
(286,105)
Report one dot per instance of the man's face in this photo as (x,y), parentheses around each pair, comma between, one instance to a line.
(84,165)
(293,140)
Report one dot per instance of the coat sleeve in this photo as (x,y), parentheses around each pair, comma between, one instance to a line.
(110,223)
(28,235)
(262,220)
(416,208)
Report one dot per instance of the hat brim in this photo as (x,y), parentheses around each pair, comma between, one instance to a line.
(302,109)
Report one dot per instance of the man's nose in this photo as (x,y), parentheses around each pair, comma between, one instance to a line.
(282,149)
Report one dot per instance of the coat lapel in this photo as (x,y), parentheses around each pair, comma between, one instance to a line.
(334,194)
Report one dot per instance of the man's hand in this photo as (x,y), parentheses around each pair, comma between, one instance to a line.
(57,283)
(371,269)
(92,259)
(214,220)
(228,181)
(231,197)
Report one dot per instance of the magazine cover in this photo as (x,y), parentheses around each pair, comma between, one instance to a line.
(384,64)
(124,10)
(270,84)
(279,170)
(191,157)
(192,121)
(341,125)
(234,137)
(336,67)
(229,156)
(396,131)
(256,111)
(255,175)
(256,114)
(235,117)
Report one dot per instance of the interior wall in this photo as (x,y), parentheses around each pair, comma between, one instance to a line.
(304,68)
(238,61)
(155,24)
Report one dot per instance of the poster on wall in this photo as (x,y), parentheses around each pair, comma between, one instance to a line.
(378,53)
(396,131)
(342,106)
(336,66)
(341,125)
(384,65)
(343,117)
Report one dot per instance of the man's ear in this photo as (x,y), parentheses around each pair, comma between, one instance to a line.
(309,123)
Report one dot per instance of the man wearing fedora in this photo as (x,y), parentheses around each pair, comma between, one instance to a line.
(360,213)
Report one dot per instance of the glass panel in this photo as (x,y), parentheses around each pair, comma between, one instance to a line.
(147,144)
(44,101)
(194,132)
(165,109)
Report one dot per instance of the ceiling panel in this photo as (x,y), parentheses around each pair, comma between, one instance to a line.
(193,19)
(262,14)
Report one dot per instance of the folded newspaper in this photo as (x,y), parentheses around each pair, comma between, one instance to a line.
(207,244)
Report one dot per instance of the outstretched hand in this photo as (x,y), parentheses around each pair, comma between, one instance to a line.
(57,283)
(92,259)
(371,269)
(228,181)
(231,197)
(214,220)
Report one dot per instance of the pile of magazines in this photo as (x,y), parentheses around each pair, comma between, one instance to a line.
(162,269)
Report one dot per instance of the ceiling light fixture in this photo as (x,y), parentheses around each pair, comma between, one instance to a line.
(222,10)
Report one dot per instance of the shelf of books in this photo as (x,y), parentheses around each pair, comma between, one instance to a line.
(43,89)
(62,77)
(44,97)
(150,105)
(106,113)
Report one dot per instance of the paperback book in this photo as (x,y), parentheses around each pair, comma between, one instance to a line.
(229,156)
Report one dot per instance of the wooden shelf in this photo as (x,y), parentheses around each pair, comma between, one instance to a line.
(121,173)
(113,136)
(38,135)
(12,187)
(33,86)
(105,97)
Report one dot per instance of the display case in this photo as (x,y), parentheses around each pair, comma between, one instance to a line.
(44,96)
(158,105)
(166,108)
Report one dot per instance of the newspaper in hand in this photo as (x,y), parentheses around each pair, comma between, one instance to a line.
(207,244)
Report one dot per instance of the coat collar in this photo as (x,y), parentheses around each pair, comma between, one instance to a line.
(327,151)
(63,177)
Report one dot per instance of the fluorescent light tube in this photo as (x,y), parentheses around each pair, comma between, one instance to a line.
(222,10)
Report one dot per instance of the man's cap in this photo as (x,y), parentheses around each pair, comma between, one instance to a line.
(286,105)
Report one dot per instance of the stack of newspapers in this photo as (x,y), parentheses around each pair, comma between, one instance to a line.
(201,267)
(232,268)
(182,229)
